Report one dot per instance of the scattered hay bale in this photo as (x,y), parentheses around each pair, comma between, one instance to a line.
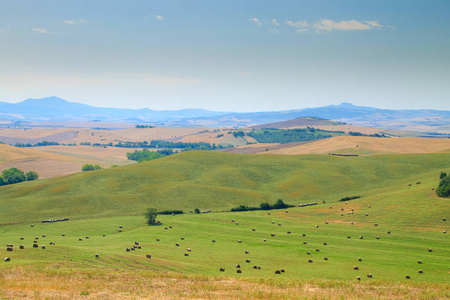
(279,224)
(277,272)
(43,246)
(80,240)
(213,241)
(303,234)
(408,277)
(222,269)
(32,225)
(170,227)
(325,258)
(444,231)
(349,237)
(355,268)
(132,249)
(342,209)
(268,214)
(360,237)
(419,262)
(420,272)
(9,249)
(136,243)
(148,256)
(232,220)
(128,250)
(182,238)
(310,260)
(43,235)
(367,214)
(351,223)
(317,226)
(65,235)
(308,253)
(186,254)
(342,215)
(139,247)
(369,275)
(51,243)
(104,235)
(330,207)
(358,278)
(368,206)
(120,226)
(246,252)
(264,240)
(7,259)
(326,222)
(120,230)
(177,244)
(237,266)
(287,211)
(430,250)
(97,255)
(166,228)
(304,243)
(239,271)
(376,224)
(239,241)
(353,209)
(360,259)
(273,222)
(255,267)
(317,250)
(253,229)
(282,270)
(378,237)
(188,249)
(273,234)
(157,240)
(288,232)
(444,219)
(35,246)
(237,223)
(87,237)
(21,238)
(22,247)
(389,232)
(35,241)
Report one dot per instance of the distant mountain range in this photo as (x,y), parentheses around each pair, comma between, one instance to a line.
(56,109)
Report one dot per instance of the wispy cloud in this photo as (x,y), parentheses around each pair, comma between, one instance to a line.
(301,30)
(329,25)
(159,17)
(3,30)
(39,30)
(298,24)
(273,30)
(73,22)
(256,21)
(275,22)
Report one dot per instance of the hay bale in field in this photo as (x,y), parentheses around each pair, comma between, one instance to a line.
(32,225)
(182,238)
(136,243)
(188,249)
(132,249)
(358,278)
(288,232)
(97,255)
(157,240)
(120,226)
(148,256)
(273,234)
(279,224)
(351,223)
(430,250)
(408,277)
(303,234)
(317,226)
(177,244)
(43,246)
(342,215)
(326,222)
(22,247)
(35,246)
(360,237)
(376,224)
(247,260)
(65,235)
(378,237)
(80,240)
(35,241)
(255,267)
(139,247)
(104,235)
(369,275)
(128,250)
(325,258)
(368,206)
(9,249)
(239,271)
(308,253)
(287,211)
(87,237)
(420,272)
(273,222)
(419,262)
(120,230)
(43,235)
(317,250)
(325,244)
(170,227)
(310,260)
(222,269)
(367,214)
(444,231)
(166,228)
(21,238)
(253,229)
(7,259)
(330,207)
(186,254)
(134,246)
(264,240)
(268,214)
(247,252)
(237,266)
(360,259)
(304,242)
(277,272)
(213,241)
(355,268)
(349,237)
(239,241)
(444,219)
(51,243)
(232,220)
(237,223)
(389,232)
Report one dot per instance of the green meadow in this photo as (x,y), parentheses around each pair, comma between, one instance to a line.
(396,194)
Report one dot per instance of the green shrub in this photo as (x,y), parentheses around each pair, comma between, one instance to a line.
(443,189)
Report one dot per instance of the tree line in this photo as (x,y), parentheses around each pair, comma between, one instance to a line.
(14,175)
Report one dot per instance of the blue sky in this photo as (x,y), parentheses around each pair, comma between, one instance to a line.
(247,55)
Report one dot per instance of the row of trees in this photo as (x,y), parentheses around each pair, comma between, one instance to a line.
(279,204)
(89,167)
(14,175)
(40,144)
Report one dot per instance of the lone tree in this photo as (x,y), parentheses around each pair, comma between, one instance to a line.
(150,215)
(443,189)
(32,175)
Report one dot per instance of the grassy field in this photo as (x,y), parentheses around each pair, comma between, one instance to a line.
(407,213)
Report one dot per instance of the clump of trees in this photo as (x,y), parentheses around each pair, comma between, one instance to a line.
(279,204)
(283,136)
(150,215)
(14,175)
(443,189)
(146,155)
(349,198)
(89,167)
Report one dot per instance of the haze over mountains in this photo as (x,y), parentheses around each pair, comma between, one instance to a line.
(57,109)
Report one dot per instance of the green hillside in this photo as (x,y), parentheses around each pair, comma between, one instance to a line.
(220,181)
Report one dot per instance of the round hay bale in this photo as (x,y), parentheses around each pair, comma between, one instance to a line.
(104,235)
(325,258)
(376,224)
(355,268)
(367,214)
(32,225)
(148,256)
(21,238)
(35,246)
(188,249)
(273,234)
(277,272)
(232,220)
(279,224)
(97,255)
(253,229)
(378,237)
(51,243)
(317,226)
(259,268)
(170,227)
(342,209)
(222,269)
(136,243)
(349,237)
(63,234)
(239,241)
(308,253)
(419,262)
(444,231)
(182,238)
(255,267)
(166,228)
(358,278)
(128,250)
(177,244)
(353,209)
(36,238)
(43,246)
(288,232)
(360,259)
(310,260)
(325,244)
(360,237)
(139,247)
(326,222)
(346,203)
(9,249)
(157,240)
(237,266)
(120,230)
(287,211)
(268,214)
(368,206)
(444,219)
(389,232)
(304,242)
(342,215)
(303,234)
(369,275)
(186,254)
(213,241)
(43,235)
(430,250)
(247,260)
(7,259)
(80,240)
(273,222)
(87,237)
(420,272)
(35,241)
(22,247)
(237,223)
(132,249)
(408,277)
(351,223)
(239,271)
(120,226)
(264,240)
(317,250)
(246,252)
(330,207)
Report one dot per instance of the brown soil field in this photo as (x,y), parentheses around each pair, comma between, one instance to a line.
(366,145)
(30,133)
(52,161)
(347,128)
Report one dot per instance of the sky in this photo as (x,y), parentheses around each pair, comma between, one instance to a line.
(227,55)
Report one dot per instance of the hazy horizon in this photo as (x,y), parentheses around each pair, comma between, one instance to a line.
(233,56)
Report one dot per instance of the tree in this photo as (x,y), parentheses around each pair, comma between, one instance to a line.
(265,206)
(1,181)
(97,167)
(280,204)
(443,174)
(13,175)
(150,215)
(197,211)
(87,167)
(32,175)
(443,189)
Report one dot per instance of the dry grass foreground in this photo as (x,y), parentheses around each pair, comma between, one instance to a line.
(54,283)
(367,145)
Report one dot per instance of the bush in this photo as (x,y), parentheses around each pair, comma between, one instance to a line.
(87,167)
(32,175)
(13,175)
(150,215)
(197,211)
(442,175)
(443,189)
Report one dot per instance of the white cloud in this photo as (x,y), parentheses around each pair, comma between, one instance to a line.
(301,30)
(275,22)
(72,22)
(39,30)
(298,24)
(256,21)
(159,17)
(273,30)
(329,25)
(3,30)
